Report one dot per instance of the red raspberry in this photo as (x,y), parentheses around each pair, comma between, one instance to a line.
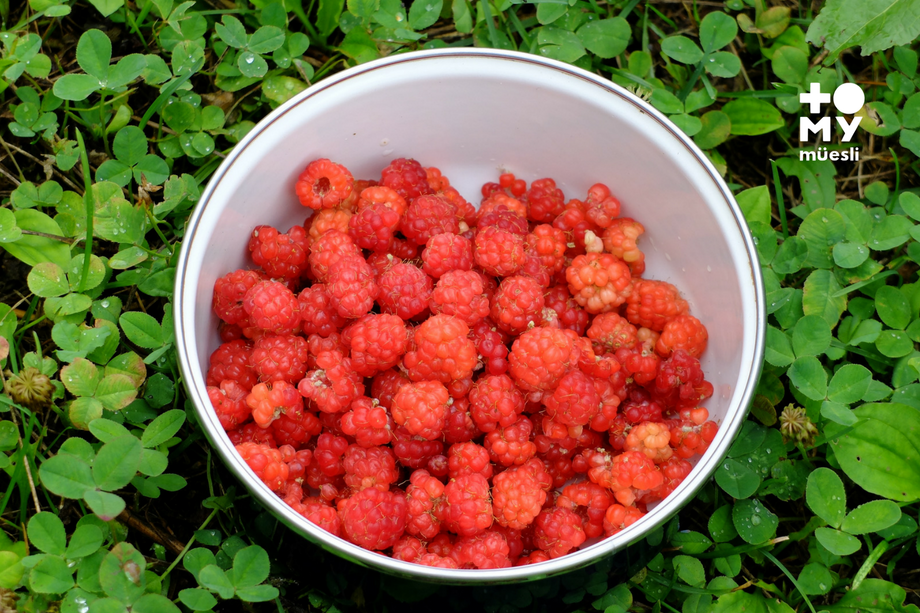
(441,545)
(229,402)
(437,466)
(280,255)
(498,252)
(539,358)
(675,471)
(684,332)
(368,422)
(468,507)
(424,497)
(269,400)
(382,262)
(534,557)
(598,281)
(329,249)
(334,385)
(490,343)
(321,514)
(641,407)
(281,357)
(427,216)
(324,185)
(378,194)
(558,531)
(430,559)
(518,496)
(407,177)
(498,201)
(570,315)
(495,402)
(574,222)
(422,408)
(373,226)
(297,461)
(488,549)
(373,519)
(504,219)
(517,305)
(680,381)
(446,252)
(601,208)
(252,433)
(468,457)
(620,239)
(369,467)
(231,361)
(624,474)
(296,428)
(272,307)
(404,250)
(317,344)
(689,439)
(651,439)
(618,518)
(544,200)
(409,549)
(327,219)
(318,312)
(511,445)
(516,186)
(460,425)
(266,463)
(386,384)
(229,292)
(609,332)
(590,502)
(443,351)
(377,341)
(574,402)
(652,304)
(404,291)
(327,457)
(460,293)
(414,451)
(548,243)
(352,287)
(436,180)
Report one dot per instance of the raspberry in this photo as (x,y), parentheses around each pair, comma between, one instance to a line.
(689,439)
(373,226)
(272,307)
(403,249)
(281,357)
(446,252)
(252,433)
(558,531)
(327,457)
(404,291)
(601,208)
(499,201)
(574,401)
(266,463)
(516,186)
(652,304)
(321,514)
(468,506)
(382,262)
(372,518)
(684,332)
(424,497)
(437,466)
(544,200)
(269,400)
(574,222)
(495,402)
(511,445)
(641,407)
(318,312)
(443,351)
(590,502)
(487,549)
(460,425)
(422,408)
(297,462)
(534,557)
(441,545)
(539,358)
(352,287)
(369,467)
(427,216)
(414,451)
(517,497)
(609,332)
(460,293)
(504,219)
(598,281)
(280,255)
(408,548)
(430,559)
(377,341)
(328,219)
(517,305)
(230,361)
(229,292)
(624,474)
(620,240)
(334,385)
(386,384)
(378,194)
(651,439)
(618,518)
(229,402)
(569,314)
(324,184)
(675,471)
(296,428)
(436,180)
(317,344)
(641,362)
(368,422)
(327,250)
(407,177)
(498,252)
(547,243)
(680,381)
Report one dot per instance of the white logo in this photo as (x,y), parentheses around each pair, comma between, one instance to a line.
(847,99)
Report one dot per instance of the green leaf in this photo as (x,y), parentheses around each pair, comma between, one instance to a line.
(884,122)
(720,525)
(716,128)
(691,542)
(717,30)
(257,593)
(130,145)
(266,39)
(871,517)
(849,384)
(116,462)
(33,249)
(849,255)
(84,541)
(752,116)
(51,576)
(754,522)
(94,52)
(141,329)
(893,307)
(9,231)
(605,38)
(689,570)
(115,392)
(811,336)
(825,496)
(129,364)
(559,44)
(11,570)
(81,377)
(815,579)
(163,428)
(279,89)
(894,343)
(250,567)
(424,13)
(107,7)
(882,452)
(688,124)
(232,31)
(790,64)
(736,479)
(46,532)
(214,579)
(873,596)
(47,279)
(723,64)
(126,70)
(363,9)
(82,411)
(778,350)
(66,476)
(154,603)
(681,49)
(892,231)
(819,298)
(809,377)
(665,101)
(791,256)
(197,599)
(196,559)
(837,542)
(817,180)
(121,573)
(874,25)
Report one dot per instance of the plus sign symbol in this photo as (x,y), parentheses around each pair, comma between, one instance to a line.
(847,99)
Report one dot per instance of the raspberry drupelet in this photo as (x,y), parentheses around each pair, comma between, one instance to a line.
(324,185)
(443,351)
(422,408)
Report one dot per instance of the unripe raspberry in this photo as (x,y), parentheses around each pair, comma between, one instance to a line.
(619,517)
(620,240)
(325,220)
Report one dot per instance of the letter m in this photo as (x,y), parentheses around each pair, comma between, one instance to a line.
(806,126)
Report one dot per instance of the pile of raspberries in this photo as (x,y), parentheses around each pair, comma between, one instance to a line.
(453,386)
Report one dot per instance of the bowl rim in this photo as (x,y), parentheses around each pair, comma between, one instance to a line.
(184,315)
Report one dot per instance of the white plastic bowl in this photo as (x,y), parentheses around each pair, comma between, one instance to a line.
(475,113)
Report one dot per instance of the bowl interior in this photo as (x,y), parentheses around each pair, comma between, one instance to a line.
(474,115)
